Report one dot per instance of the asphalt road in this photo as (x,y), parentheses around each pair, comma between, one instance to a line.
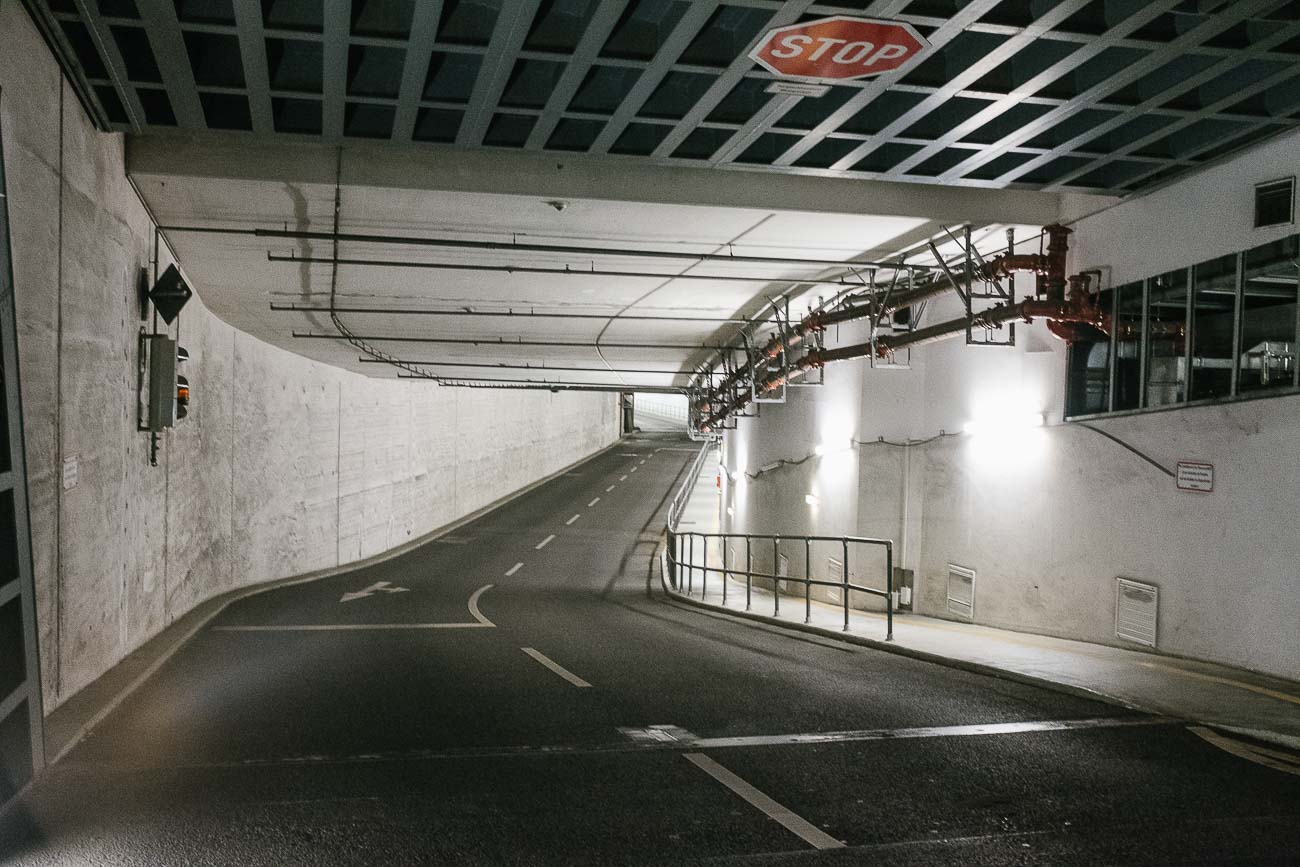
(570,714)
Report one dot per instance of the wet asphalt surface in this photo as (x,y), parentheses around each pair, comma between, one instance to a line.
(453,746)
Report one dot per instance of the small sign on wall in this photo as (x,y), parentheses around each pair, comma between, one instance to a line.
(1195,476)
(71,471)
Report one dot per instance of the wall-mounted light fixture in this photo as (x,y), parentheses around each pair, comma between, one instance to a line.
(811,499)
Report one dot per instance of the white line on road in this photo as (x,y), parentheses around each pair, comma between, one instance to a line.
(593,502)
(792,822)
(633,470)
(513,569)
(622,478)
(643,460)
(574,518)
(542,544)
(480,622)
(610,488)
(349,627)
(473,605)
(555,667)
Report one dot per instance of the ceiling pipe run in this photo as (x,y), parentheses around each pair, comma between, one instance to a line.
(506,314)
(517,247)
(1070,318)
(505,341)
(567,271)
(535,368)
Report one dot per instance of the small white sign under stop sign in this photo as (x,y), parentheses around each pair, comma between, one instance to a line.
(1195,476)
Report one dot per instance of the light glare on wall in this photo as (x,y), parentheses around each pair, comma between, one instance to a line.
(811,499)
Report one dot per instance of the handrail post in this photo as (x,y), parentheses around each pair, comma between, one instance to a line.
(889,591)
(807,580)
(690,575)
(776,576)
(672,569)
(749,573)
(845,576)
(725,548)
(704,577)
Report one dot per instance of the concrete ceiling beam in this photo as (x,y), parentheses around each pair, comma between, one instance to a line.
(246,157)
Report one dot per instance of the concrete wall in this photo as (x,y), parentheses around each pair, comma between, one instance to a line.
(284,465)
(1049,517)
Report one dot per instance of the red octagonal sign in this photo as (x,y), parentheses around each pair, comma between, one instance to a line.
(838,48)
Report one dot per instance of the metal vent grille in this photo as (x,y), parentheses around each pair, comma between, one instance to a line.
(1136,607)
(961,591)
(835,571)
(1275,203)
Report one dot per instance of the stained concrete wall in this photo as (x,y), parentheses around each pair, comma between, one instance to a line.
(1050,517)
(284,465)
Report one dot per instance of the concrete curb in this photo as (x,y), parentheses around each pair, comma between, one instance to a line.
(206,611)
(901,650)
(1278,738)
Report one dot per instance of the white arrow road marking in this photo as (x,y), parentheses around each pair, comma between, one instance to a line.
(480,622)
(377,587)
(473,606)
(513,569)
(792,822)
(555,667)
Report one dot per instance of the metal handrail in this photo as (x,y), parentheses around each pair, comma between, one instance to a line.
(688,484)
(678,541)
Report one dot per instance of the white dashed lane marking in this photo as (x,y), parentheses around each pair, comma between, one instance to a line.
(791,821)
(555,667)
(571,520)
(610,488)
(593,502)
(513,569)
(542,544)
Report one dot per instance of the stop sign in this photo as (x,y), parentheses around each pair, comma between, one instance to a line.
(838,48)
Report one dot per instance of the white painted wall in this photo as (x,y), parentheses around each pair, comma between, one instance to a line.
(1198,218)
(1050,517)
(284,465)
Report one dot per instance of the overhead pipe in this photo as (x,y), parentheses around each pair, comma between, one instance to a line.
(1066,318)
(502,341)
(517,247)
(506,313)
(566,271)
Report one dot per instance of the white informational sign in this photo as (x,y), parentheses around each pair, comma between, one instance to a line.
(798,88)
(1195,476)
(71,471)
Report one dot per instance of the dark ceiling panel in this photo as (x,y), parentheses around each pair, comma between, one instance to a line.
(1115,95)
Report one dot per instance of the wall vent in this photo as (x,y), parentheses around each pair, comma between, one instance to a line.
(835,572)
(1136,607)
(1275,203)
(961,591)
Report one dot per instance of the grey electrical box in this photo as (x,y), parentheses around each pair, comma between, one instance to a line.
(161,409)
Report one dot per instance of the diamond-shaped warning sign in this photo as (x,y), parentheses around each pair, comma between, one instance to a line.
(170,294)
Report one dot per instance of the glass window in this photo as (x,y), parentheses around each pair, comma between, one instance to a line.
(1268,315)
(1166,339)
(1128,346)
(1213,307)
(1088,384)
